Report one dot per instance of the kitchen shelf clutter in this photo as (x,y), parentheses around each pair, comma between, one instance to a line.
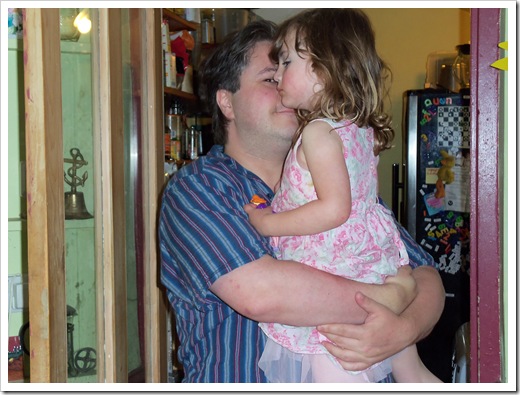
(188,36)
(186,128)
(177,44)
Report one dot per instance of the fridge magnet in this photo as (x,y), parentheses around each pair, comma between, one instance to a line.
(453,126)
(445,174)
(451,262)
(455,195)
(433,204)
(431,175)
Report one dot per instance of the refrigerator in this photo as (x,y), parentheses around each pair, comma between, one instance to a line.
(432,202)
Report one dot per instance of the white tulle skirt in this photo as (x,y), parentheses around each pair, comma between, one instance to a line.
(281,365)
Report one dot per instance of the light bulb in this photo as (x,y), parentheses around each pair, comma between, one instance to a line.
(82,22)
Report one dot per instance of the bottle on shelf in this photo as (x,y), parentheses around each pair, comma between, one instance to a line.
(169,58)
(198,126)
(175,121)
(167,142)
(199,145)
(192,143)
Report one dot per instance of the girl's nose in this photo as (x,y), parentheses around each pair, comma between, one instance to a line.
(278,76)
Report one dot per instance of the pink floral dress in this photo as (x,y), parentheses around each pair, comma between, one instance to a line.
(366,248)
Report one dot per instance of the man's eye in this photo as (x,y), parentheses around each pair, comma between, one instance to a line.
(272,80)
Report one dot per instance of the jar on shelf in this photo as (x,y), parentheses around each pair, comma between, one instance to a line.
(68,32)
(461,66)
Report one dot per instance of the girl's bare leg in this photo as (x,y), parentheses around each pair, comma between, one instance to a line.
(407,367)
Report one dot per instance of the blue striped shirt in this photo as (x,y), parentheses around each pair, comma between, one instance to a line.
(204,233)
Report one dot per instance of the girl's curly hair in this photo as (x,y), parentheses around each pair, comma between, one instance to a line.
(341,47)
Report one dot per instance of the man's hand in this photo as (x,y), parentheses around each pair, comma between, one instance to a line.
(382,335)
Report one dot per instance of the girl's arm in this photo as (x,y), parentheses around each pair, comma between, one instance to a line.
(321,152)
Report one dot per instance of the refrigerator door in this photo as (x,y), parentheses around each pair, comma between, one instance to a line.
(438,171)
(410,150)
(437,206)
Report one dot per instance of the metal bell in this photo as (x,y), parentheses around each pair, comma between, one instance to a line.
(75,206)
(74,201)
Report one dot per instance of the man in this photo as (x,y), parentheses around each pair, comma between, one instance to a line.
(220,274)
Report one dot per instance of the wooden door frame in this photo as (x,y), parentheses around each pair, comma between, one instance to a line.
(110,218)
(485,235)
(151,168)
(45,198)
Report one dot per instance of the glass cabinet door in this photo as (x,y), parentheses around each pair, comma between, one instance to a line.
(79,191)
(92,326)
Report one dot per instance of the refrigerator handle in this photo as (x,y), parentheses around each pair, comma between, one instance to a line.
(396,185)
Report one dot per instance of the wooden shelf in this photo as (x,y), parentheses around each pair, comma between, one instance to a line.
(177,23)
(180,162)
(179,93)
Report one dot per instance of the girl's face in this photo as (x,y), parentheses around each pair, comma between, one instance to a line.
(297,82)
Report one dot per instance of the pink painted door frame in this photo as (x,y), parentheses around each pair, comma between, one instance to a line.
(485,253)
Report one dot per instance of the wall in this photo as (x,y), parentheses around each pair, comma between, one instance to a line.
(404,38)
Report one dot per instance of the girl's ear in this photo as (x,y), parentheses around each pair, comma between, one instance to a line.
(225,104)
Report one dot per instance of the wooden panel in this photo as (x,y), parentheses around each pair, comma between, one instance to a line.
(153,179)
(119,310)
(99,202)
(110,204)
(485,251)
(45,196)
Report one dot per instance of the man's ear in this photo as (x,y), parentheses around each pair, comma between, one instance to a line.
(225,104)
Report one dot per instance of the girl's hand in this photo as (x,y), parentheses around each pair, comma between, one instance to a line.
(404,287)
(259,218)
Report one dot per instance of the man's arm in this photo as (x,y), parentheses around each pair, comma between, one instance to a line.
(384,333)
(267,290)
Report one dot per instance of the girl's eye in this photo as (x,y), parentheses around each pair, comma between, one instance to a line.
(285,63)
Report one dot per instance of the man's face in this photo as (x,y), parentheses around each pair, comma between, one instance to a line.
(259,115)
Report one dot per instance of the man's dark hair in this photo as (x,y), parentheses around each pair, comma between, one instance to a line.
(223,68)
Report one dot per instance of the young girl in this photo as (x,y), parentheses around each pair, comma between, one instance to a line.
(326,211)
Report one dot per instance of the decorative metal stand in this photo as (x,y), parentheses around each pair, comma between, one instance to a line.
(80,362)
(74,201)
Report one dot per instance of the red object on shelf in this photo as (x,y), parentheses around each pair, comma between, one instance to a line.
(14,344)
(15,365)
(179,49)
